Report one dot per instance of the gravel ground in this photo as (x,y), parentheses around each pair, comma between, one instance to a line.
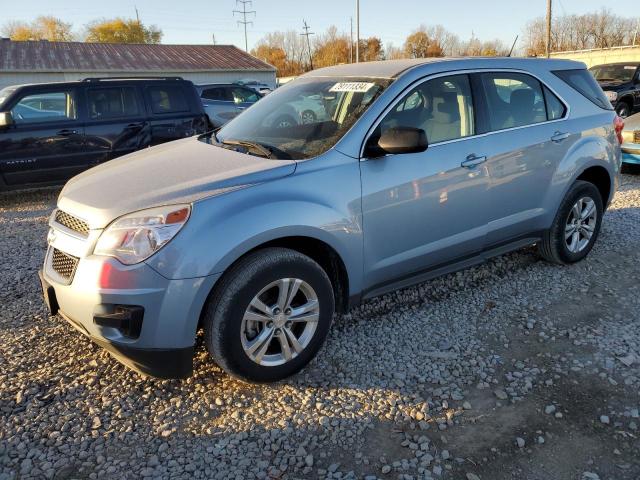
(516,369)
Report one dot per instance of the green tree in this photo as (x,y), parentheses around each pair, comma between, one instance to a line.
(121,30)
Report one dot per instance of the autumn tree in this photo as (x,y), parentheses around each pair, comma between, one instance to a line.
(121,30)
(371,49)
(284,50)
(42,28)
(331,48)
(432,41)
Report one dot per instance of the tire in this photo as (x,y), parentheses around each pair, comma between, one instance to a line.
(308,117)
(623,109)
(284,121)
(555,246)
(231,331)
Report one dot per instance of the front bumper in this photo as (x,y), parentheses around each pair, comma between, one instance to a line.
(163,344)
(631,158)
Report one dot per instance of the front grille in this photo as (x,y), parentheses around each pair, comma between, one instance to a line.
(63,264)
(72,223)
(636,136)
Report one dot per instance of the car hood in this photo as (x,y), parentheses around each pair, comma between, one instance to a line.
(612,84)
(182,171)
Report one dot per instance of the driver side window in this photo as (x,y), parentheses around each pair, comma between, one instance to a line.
(442,107)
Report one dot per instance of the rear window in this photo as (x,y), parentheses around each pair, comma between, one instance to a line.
(582,81)
(168,99)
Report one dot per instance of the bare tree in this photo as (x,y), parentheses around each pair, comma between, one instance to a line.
(601,29)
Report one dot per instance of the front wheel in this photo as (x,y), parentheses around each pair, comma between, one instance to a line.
(269,316)
(575,227)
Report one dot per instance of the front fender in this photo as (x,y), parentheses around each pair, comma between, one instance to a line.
(323,205)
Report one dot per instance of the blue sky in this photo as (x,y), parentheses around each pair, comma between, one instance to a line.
(194,21)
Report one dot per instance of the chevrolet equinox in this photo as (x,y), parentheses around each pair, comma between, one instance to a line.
(258,233)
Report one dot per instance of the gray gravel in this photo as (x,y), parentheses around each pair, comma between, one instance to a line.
(503,371)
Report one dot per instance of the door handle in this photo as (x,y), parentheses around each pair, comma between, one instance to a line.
(66,132)
(241,108)
(559,136)
(473,160)
(135,125)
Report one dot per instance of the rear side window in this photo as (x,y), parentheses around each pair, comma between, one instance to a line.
(217,93)
(555,108)
(583,81)
(168,99)
(513,100)
(107,103)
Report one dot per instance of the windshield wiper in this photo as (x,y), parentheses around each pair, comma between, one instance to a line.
(261,149)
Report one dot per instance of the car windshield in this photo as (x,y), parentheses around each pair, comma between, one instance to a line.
(617,73)
(303,119)
(4,94)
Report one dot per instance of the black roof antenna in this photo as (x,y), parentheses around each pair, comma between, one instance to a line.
(513,46)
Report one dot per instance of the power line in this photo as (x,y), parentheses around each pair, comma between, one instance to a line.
(306,34)
(244,12)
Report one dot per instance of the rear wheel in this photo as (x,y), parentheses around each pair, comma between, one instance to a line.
(623,109)
(270,315)
(575,227)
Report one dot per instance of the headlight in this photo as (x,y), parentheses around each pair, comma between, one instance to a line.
(612,96)
(136,236)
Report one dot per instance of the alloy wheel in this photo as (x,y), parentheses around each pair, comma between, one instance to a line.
(280,322)
(581,224)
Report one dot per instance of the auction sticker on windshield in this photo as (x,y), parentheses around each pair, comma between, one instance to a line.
(358,87)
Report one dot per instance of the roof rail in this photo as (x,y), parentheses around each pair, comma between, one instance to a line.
(102,79)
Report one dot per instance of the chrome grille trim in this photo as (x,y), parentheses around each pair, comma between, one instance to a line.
(63,264)
(72,223)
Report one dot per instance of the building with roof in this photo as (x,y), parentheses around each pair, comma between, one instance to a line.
(43,61)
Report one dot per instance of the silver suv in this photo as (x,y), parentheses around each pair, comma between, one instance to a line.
(260,233)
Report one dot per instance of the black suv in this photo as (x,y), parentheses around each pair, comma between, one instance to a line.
(51,132)
(621,84)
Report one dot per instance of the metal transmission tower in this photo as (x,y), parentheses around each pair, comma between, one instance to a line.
(306,34)
(244,12)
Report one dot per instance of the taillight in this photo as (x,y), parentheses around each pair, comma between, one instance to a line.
(618,126)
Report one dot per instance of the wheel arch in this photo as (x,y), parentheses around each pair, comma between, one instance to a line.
(318,250)
(600,177)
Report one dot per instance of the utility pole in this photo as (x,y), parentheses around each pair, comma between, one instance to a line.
(548,47)
(214,38)
(137,15)
(306,34)
(635,34)
(357,31)
(351,43)
(244,12)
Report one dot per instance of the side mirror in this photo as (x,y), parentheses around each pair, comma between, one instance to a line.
(6,119)
(397,141)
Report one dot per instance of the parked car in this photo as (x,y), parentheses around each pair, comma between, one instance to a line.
(51,132)
(223,102)
(631,140)
(260,87)
(258,233)
(621,85)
